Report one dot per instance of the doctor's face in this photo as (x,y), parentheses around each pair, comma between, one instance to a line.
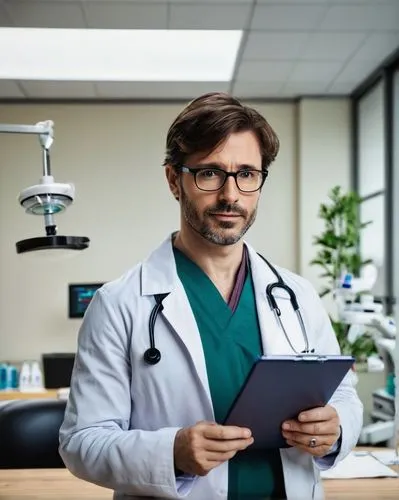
(222,216)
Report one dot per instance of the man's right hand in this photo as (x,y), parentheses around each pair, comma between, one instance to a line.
(205,445)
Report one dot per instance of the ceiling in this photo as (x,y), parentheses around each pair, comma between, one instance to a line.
(290,48)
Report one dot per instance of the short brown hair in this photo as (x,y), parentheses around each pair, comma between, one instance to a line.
(208,120)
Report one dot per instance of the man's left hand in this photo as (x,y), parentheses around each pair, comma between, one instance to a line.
(315,431)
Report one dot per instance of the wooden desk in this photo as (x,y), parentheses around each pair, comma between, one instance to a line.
(60,484)
(36,484)
(9,395)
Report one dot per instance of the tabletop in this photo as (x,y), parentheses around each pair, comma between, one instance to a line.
(8,395)
(35,484)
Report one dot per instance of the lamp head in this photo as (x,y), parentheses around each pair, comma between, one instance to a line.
(47,198)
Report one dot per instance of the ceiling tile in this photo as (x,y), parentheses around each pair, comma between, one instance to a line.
(209,16)
(256,90)
(295,17)
(378,46)
(356,71)
(378,16)
(274,45)
(314,71)
(157,90)
(9,90)
(45,14)
(370,2)
(35,89)
(206,1)
(5,19)
(331,46)
(126,15)
(304,88)
(342,88)
(292,1)
(264,71)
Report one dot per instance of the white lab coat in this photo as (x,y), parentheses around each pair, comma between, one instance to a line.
(123,414)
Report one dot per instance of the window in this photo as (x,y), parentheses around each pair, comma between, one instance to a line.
(372,244)
(371,180)
(395,184)
(371,141)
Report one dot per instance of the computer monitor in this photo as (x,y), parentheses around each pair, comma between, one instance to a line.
(80,295)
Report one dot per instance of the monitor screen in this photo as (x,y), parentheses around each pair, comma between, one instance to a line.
(80,295)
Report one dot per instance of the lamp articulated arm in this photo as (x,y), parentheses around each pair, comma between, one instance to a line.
(48,197)
(45,131)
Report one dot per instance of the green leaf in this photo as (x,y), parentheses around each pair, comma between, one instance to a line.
(326,275)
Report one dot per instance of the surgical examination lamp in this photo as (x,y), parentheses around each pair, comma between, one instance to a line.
(46,198)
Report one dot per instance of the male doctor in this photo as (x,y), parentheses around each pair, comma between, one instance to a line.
(146,423)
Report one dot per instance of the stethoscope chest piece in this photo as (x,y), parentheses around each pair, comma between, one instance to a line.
(152,356)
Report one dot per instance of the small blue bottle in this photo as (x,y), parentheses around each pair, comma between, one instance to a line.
(3,376)
(12,379)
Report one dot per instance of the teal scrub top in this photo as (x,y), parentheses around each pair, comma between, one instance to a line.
(231,342)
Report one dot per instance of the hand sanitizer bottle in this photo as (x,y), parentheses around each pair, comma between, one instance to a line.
(36,377)
(25,377)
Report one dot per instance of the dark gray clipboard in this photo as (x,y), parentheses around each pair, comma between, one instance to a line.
(278,388)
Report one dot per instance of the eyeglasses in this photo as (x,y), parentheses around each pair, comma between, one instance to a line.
(248,180)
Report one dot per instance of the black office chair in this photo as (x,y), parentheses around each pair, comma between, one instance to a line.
(29,434)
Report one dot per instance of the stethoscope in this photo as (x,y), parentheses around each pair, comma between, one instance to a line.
(152,355)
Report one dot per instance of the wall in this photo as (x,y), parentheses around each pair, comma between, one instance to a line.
(113,154)
(324,133)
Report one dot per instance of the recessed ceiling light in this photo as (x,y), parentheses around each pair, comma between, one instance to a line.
(118,55)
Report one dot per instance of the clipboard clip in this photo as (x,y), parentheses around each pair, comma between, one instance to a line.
(311,357)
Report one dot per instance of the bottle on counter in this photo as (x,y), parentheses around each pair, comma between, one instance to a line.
(12,377)
(3,376)
(36,376)
(25,377)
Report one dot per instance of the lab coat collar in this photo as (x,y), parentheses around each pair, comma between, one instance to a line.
(261,272)
(159,274)
(262,275)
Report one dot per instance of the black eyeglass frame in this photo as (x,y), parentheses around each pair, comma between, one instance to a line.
(195,171)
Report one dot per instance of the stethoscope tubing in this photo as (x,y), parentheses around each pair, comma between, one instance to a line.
(152,355)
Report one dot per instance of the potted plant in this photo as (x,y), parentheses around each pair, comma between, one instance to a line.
(338,252)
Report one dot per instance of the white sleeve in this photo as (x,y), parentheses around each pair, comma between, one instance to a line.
(345,399)
(96,443)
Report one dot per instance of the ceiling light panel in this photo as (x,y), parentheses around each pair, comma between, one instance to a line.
(118,55)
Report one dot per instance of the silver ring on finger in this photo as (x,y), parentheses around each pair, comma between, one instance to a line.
(312,443)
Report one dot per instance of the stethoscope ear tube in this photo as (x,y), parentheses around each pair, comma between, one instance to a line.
(294,303)
(152,355)
(270,297)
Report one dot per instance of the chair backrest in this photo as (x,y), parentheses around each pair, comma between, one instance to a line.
(29,431)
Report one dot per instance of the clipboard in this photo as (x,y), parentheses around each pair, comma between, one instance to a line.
(278,388)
